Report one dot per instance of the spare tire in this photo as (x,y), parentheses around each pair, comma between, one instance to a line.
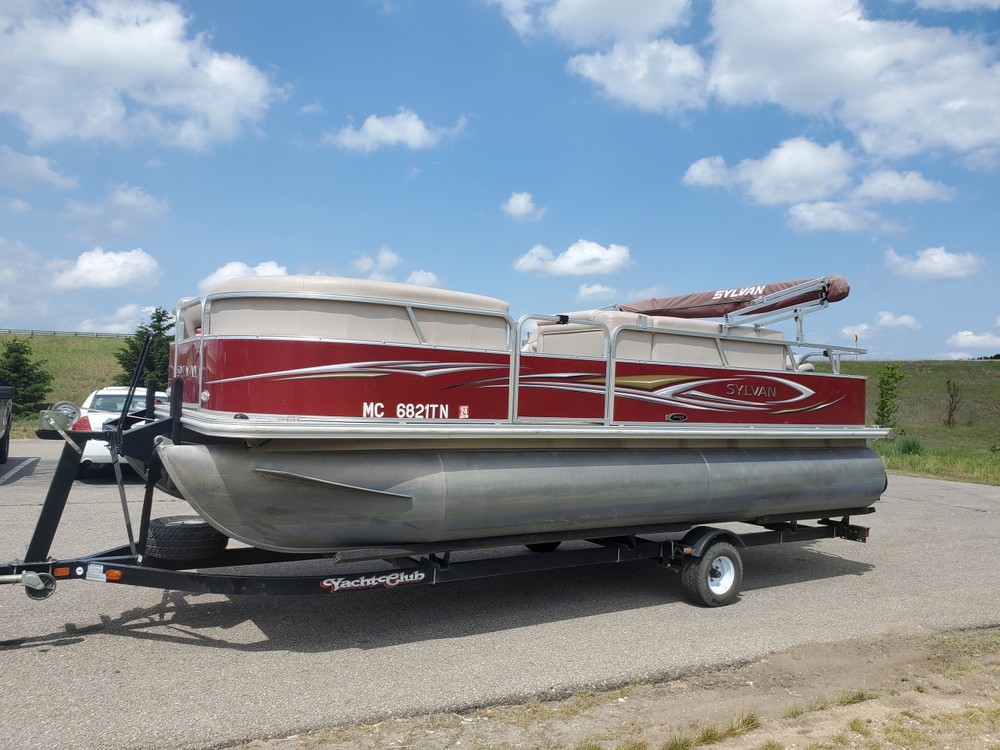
(183,538)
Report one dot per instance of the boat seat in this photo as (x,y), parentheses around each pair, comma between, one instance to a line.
(661,339)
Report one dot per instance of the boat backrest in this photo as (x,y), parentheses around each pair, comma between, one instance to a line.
(661,339)
(352,309)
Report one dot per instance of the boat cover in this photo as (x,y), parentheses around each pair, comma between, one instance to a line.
(721,302)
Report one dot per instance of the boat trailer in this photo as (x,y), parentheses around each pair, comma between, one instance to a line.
(707,558)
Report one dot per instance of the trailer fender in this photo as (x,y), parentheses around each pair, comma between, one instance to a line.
(700,538)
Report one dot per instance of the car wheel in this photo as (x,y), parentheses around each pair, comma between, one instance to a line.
(81,470)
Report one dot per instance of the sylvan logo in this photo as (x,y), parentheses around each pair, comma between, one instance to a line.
(186,371)
(745,291)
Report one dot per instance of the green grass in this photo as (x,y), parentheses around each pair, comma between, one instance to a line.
(924,445)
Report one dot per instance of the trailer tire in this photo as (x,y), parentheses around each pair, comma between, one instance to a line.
(543,547)
(714,579)
(183,538)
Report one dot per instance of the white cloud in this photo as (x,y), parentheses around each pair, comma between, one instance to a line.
(125,319)
(423,278)
(403,128)
(956,356)
(518,14)
(831,215)
(975,340)
(123,71)
(521,207)
(99,269)
(890,186)
(18,206)
(797,170)
(900,87)
(379,266)
(588,22)
(654,76)
(126,212)
(313,108)
(862,331)
(646,293)
(934,264)
(21,171)
(596,291)
(890,320)
(581,258)
(234,269)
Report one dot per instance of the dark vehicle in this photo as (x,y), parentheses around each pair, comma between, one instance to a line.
(6,405)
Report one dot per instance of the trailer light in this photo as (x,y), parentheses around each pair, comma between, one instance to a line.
(60,572)
(113,575)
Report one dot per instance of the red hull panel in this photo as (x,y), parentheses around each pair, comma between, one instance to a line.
(381,381)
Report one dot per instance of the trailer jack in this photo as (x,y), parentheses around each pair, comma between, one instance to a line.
(36,585)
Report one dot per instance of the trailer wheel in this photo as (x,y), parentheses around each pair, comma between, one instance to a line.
(714,578)
(543,547)
(183,538)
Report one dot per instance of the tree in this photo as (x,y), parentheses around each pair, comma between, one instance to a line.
(160,328)
(954,401)
(887,405)
(31,380)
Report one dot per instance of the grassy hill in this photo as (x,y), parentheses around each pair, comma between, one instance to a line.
(78,365)
(924,445)
(969,451)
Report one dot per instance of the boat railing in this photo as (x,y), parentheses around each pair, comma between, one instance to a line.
(515,362)
(613,337)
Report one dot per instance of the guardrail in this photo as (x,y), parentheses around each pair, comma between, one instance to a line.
(28,332)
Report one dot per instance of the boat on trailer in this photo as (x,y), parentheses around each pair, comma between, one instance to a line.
(319,414)
(352,421)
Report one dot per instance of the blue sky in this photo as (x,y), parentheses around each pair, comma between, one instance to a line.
(558,154)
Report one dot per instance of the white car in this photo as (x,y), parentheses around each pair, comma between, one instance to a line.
(98,408)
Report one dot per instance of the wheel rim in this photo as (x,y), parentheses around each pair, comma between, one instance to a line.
(721,575)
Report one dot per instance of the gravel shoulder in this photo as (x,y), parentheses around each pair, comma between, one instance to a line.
(893,691)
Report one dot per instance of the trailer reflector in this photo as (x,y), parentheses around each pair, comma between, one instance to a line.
(113,575)
(61,572)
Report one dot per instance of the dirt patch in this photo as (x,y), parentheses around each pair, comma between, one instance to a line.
(895,691)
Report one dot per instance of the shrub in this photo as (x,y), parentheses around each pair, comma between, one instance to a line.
(31,380)
(887,405)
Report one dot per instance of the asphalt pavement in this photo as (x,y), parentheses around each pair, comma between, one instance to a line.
(102,666)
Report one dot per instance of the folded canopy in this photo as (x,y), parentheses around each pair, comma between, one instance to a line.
(721,302)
